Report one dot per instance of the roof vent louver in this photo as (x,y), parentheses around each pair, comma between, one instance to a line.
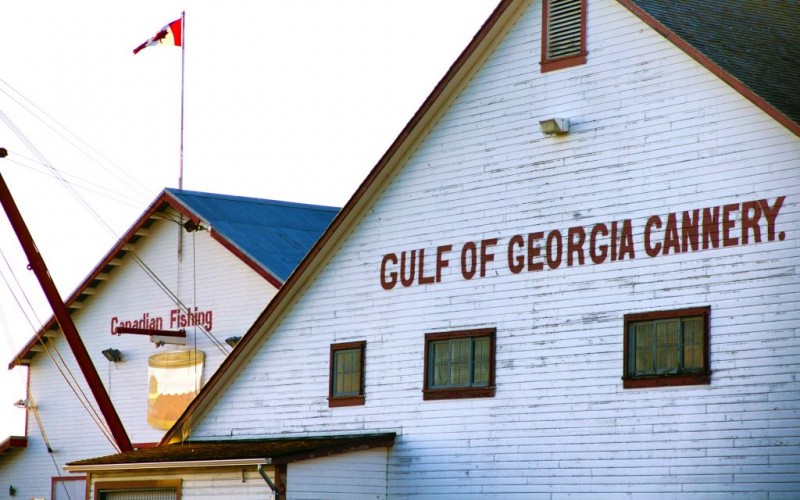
(564,28)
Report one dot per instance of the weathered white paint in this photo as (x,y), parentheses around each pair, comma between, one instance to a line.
(652,133)
(353,476)
(208,276)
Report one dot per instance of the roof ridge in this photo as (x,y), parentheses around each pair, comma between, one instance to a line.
(252,199)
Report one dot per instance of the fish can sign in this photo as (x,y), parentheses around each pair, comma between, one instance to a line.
(174,379)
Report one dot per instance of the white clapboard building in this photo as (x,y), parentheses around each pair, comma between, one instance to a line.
(157,316)
(574,274)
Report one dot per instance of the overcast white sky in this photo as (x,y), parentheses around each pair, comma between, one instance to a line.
(292,100)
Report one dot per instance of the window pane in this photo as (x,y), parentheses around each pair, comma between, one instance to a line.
(441,363)
(460,361)
(459,364)
(480,375)
(347,372)
(643,344)
(667,346)
(693,343)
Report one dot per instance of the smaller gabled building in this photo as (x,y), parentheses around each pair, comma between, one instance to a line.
(157,315)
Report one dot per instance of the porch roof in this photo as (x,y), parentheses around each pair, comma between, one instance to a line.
(235,452)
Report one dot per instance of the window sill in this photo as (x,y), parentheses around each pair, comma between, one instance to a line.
(458,393)
(667,381)
(345,401)
(564,62)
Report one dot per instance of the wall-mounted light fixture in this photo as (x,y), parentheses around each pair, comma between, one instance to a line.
(191,225)
(553,126)
(232,341)
(112,354)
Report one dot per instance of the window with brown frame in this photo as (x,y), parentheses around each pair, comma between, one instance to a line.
(346,386)
(667,348)
(459,364)
(563,34)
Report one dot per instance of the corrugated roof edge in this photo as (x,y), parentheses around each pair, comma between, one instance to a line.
(180,193)
(227,240)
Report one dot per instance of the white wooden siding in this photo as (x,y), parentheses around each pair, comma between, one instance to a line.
(652,133)
(208,276)
(352,476)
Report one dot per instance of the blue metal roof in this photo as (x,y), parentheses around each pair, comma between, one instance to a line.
(275,234)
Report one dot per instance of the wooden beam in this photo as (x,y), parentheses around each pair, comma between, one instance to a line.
(38,266)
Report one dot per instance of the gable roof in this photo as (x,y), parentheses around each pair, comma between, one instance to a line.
(489,35)
(270,236)
(274,234)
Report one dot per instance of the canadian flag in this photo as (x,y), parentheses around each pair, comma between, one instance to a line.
(171,34)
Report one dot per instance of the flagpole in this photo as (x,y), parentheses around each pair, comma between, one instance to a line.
(183,66)
(180,172)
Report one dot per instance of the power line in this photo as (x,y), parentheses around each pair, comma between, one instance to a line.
(84,184)
(56,173)
(71,381)
(19,286)
(72,134)
(59,176)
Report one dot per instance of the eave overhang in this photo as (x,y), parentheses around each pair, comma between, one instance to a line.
(234,453)
(13,442)
(196,464)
